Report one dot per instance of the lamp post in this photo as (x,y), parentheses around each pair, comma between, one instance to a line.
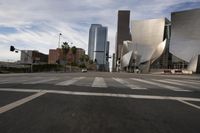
(59,40)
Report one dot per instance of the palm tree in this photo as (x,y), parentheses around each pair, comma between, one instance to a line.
(65,50)
(74,49)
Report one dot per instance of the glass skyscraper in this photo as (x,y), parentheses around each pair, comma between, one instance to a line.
(97,45)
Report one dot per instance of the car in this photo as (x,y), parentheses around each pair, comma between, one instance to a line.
(84,70)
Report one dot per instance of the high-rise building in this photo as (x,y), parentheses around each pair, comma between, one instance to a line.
(123,31)
(92,40)
(98,45)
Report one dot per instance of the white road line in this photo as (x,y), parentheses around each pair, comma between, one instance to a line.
(190,104)
(99,82)
(127,84)
(174,83)
(152,97)
(19,90)
(20,102)
(69,82)
(4,82)
(41,81)
(158,84)
(184,81)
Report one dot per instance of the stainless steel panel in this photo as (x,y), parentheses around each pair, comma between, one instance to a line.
(146,36)
(185,34)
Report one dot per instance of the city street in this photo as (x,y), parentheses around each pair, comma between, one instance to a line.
(98,102)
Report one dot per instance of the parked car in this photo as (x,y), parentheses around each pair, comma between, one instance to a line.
(84,70)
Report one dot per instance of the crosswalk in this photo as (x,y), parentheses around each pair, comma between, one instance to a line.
(128,84)
(99,82)
(102,82)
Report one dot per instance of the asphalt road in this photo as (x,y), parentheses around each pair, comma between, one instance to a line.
(99,103)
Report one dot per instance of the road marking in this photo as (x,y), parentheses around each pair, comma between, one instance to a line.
(41,81)
(184,81)
(158,84)
(174,83)
(127,84)
(19,90)
(99,82)
(190,104)
(20,102)
(69,82)
(152,97)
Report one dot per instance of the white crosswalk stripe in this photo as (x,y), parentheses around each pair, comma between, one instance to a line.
(40,81)
(160,85)
(70,82)
(13,81)
(99,82)
(173,83)
(185,81)
(180,84)
(127,84)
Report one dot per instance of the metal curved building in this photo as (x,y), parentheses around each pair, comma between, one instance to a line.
(148,43)
(185,36)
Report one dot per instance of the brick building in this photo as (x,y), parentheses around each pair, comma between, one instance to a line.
(56,56)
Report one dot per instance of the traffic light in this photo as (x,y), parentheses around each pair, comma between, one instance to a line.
(12,48)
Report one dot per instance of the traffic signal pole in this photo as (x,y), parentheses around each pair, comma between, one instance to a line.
(12,49)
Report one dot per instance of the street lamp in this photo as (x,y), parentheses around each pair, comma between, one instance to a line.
(59,40)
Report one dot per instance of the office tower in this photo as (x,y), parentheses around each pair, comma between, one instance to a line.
(97,45)
(123,31)
(92,40)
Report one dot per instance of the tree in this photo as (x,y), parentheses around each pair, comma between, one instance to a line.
(65,47)
(87,58)
(82,58)
(65,50)
(74,49)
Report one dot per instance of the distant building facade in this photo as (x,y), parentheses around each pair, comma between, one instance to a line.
(123,31)
(33,56)
(56,56)
(98,46)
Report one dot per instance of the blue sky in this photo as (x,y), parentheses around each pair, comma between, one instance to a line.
(36,24)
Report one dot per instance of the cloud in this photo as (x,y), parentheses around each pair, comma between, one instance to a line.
(36,24)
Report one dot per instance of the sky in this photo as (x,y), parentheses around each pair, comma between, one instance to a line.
(36,24)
